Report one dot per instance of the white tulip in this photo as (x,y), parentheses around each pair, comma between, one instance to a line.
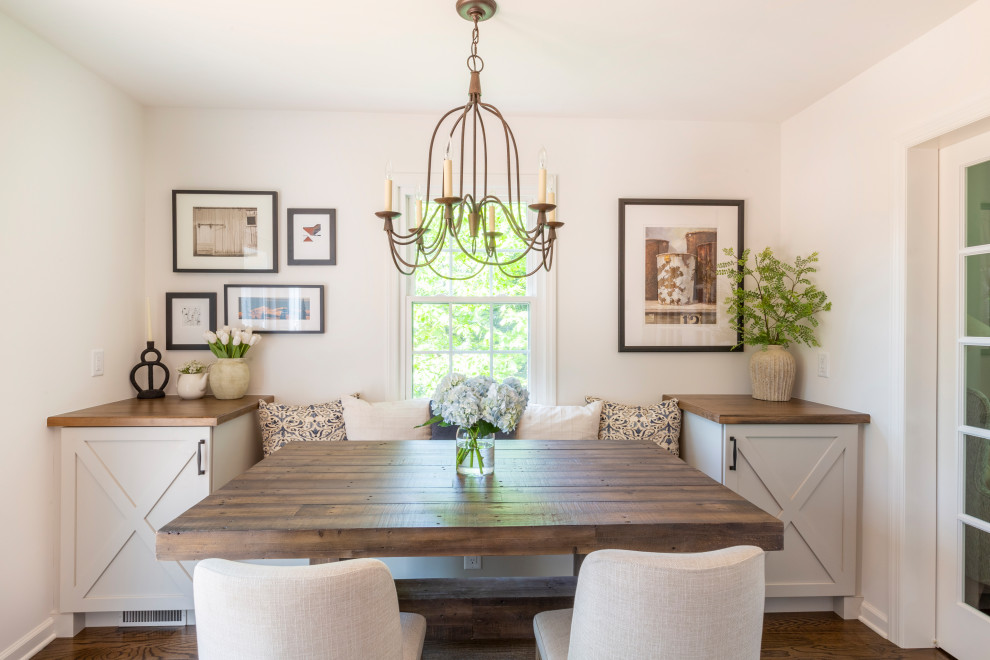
(210,337)
(223,337)
(254,340)
(237,339)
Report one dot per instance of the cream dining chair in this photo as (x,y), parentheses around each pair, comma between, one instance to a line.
(339,611)
(643,605)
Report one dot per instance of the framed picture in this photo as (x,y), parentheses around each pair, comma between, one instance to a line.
(187,317)
(217,231)
(274,307)
(312,237)
(670,295)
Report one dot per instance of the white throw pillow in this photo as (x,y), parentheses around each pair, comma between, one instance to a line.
(555,422)
(386,420)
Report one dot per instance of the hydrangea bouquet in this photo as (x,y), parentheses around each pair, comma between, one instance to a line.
(229,342)
(480,407)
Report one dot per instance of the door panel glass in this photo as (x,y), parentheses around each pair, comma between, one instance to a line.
(978,477)
(977,386)
(978,204)
(978,295)
(976,580)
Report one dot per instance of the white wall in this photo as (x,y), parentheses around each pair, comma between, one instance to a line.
(71,267)
(337,160)
(840,170)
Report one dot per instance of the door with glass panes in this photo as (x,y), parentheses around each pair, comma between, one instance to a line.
(963,577)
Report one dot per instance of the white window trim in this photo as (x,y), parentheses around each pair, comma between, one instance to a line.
(543,319)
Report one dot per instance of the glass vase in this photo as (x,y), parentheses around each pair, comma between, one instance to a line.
(475,455)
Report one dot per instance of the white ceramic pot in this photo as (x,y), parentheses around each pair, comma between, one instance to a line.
(772,373)
(229,378)
(191,386)
(675,278)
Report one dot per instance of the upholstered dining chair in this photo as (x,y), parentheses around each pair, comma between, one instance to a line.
(339,611)
(683,606)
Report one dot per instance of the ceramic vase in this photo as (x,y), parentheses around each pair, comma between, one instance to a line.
(475,457)
(772,372)
(192,386)
(229,378)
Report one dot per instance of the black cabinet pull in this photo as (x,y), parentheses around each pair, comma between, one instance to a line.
(733,441)
(199,457)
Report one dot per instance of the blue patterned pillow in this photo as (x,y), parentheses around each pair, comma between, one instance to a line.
(281,423)
(660,423)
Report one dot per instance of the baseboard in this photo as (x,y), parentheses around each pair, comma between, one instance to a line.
(31,643)
(874,619)
(798,604)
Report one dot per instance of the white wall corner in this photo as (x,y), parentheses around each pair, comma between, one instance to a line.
(874,619)
(31,643)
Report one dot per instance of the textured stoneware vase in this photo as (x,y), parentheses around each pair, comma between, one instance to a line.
(772,372)
(229,378)
(191,386)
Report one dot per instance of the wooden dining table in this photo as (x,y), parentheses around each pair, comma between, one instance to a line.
(336,500)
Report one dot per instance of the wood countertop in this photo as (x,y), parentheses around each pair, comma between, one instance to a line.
(167,411)
(744,409)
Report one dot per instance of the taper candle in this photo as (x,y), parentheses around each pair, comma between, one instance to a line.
(388,186)
(419,213)
(541,181)
(147,321)
(448,171)
(491,217)
(552,198)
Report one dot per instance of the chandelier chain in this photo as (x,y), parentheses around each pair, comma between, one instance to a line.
(474,61)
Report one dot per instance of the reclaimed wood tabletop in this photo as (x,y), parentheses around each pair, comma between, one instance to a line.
(404,498)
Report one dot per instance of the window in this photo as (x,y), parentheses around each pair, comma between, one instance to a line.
(491,323)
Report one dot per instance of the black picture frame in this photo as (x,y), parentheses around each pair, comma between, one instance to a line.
(307,237)
(274,300)
(224,231)
(182,325)
(683,239)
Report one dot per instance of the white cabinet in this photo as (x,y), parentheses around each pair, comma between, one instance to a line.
(798,467)
(127,469)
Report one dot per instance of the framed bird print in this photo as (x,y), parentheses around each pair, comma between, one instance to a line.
(312,237)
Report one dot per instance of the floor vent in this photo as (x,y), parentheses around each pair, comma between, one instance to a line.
(153,618)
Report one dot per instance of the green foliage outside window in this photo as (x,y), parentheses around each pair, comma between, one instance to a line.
(471,337)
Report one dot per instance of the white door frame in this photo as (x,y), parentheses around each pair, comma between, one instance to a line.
(910,620)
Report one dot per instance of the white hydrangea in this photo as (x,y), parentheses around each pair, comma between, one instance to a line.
(464,402)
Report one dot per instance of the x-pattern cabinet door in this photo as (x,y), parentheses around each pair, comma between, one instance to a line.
(806,475)
(119,486)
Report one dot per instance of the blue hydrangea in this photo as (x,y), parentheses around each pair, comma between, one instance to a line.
(465,401)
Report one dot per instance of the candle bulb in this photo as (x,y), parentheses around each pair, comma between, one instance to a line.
(419,213)
(147,321)
(491,218)
(388,186)
(552,199)
(541,183)
(448,171)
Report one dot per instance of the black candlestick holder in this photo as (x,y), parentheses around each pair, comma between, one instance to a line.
(151,392)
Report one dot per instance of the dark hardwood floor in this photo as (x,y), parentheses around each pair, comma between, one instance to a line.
(815,636)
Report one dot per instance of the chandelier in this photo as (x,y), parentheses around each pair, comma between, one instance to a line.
(454,221)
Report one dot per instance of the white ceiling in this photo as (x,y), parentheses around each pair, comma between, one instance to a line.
(747,60)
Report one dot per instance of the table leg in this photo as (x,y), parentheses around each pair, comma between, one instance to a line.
(578,560)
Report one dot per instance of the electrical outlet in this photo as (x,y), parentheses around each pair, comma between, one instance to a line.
(472,562)
(96,362)
(823,369)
